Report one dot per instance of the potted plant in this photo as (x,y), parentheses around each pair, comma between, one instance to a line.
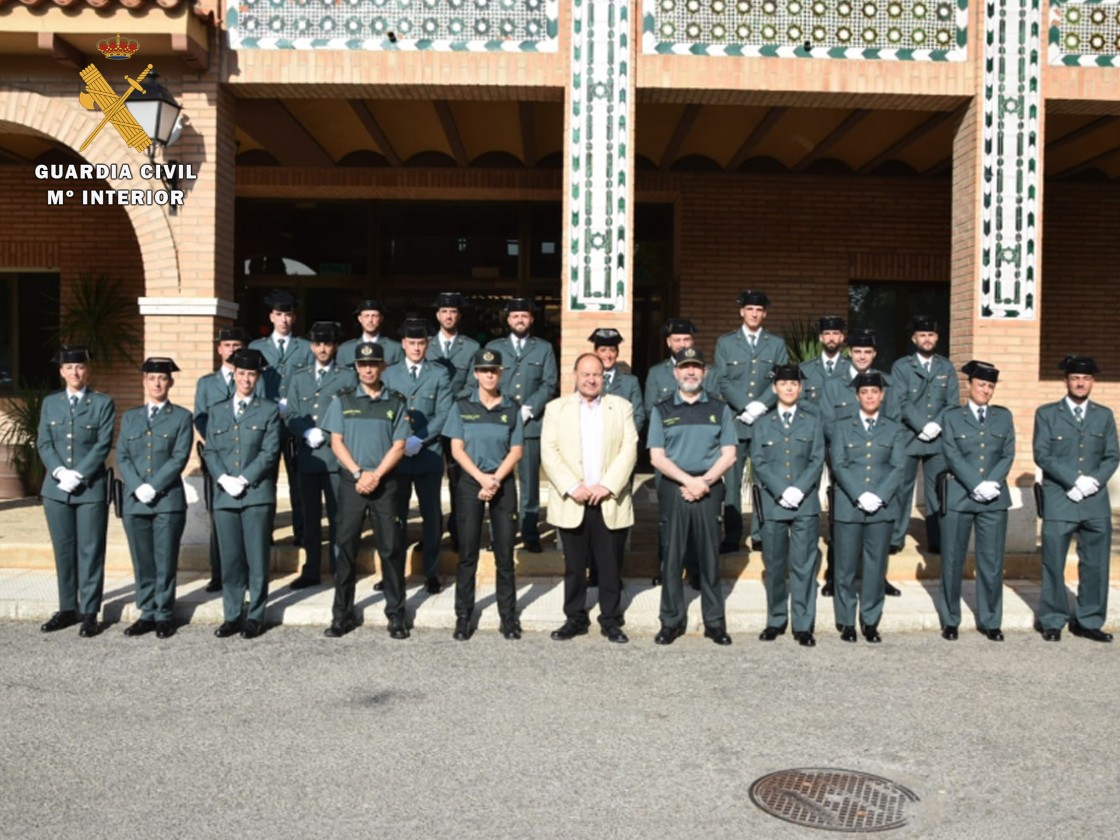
(98,313)
(19,431)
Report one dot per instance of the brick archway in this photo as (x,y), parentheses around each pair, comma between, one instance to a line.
(68,123)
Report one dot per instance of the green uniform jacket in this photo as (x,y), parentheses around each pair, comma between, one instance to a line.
(975,453)
(815,375)
(429,400)
(307,405)
(278,375)
(458,364)
(247,447)
(626,385)
(864,462)
(346,351)
(660,383)
(80,441)
(155,455)
(916,398)
(792,457)
(211,390)
(529,380)
(743,375)
(840,401)
(1064,450)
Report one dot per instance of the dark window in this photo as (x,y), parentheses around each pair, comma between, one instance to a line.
(887,307)
(28,329)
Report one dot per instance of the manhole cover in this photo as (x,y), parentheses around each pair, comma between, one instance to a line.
(835,800)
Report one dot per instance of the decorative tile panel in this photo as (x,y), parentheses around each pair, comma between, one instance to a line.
(897,30)
(1085,33)
(1009,190)
(599,125)
(404,25)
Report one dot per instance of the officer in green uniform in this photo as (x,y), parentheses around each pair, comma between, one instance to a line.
(284,353)
(427,389)
(368,428)
(241,453)
(868,454)
(787,450)
(605,341)
(529,379)
(743,361)
(660,381)
(1075,446)
(310,393)
(487,436)
(923,386)
(830,364)
(692,444)
(75,437)
(978,441)
(370,314)
(152,452)
(455,352)
(213,388)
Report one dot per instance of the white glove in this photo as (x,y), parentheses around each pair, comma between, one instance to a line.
(755,408)
(145,493)
(233,486)
(745,417)
(930,431)
(283,406)
(791,498)
(412,445)
(1074,494)
(314,437)
(869,502)
(526,413)
(986,491)
(1087,485)
(68,480)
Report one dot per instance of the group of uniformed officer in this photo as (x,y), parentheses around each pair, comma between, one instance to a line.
(361,424)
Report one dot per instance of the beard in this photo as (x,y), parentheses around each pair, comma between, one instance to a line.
(691,387)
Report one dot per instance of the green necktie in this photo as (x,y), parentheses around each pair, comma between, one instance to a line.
(1077,413)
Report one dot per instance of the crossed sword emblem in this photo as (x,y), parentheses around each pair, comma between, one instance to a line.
(98,92)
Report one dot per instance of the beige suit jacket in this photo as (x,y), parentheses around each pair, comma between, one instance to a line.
(562,460)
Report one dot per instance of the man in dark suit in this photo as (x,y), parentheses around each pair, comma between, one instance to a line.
(1075,446)
(74,439)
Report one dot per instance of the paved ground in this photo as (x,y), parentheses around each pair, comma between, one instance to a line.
(297,736)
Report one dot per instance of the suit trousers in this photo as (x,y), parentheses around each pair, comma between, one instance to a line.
(428,486)
(388,535)
(503,525)
(215,552)
(454,473)
(153,541)
(244,535)
(690,527)
(862,550)
(313,488)
(991,536)
(78,536)
(791,555)
(529,479)
(1094,538)
(593,542)
(904,501)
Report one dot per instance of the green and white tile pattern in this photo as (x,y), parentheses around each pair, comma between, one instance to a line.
(1085,33)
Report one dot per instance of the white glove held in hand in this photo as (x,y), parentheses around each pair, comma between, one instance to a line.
(526,413)
(315,437)
(986,491)
(930,431)
(791,498)
(412,445)
(145,494)
(869,502)
(756,408)
(68,480)
(1074,494)
(233,486)
(283,406)
(1087,485)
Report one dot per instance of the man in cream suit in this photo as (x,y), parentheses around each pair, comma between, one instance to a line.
(589,493)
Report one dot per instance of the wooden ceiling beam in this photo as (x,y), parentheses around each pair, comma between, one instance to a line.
(921,131)
(757,135)
(195,55)
(283,136)
(528,133)
(835,136)
(376,132)
(454,140)
(680,134)
(1078,133)
(62,51)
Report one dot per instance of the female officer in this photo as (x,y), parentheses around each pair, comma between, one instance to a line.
(486,441)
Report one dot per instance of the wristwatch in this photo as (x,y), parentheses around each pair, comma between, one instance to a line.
(357,474)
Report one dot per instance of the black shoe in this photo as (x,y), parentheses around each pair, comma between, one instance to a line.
(1052,634)
(770,633)
(89,627)
(718,634)
(139,628)
(848,633)
(890,589)
(569,630)
(252,629)
(338,629)
(462,629)
(228,628)
(379,586)
(756,545)
(871,633)
(214,585)
(614,634)
(165,629)
(994,634)
(805,639)
(667,635)
(60,621)
(397,628)
(534,546)
(304,581)
(728,546)
(950,633)
(655,581)
(511,629)
(693,582)
(896,549)
(1085,633)
(827,589)
(433,586)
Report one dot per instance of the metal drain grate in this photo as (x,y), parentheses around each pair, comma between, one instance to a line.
(835,800)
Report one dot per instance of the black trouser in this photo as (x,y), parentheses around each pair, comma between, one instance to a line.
(454,473)
(388,534)
(503,525)
(690,528)
(593,542)
(529,475)
(313,487)
(428,486)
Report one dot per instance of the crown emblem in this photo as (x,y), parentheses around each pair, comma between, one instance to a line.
(118,50)
(488,357)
